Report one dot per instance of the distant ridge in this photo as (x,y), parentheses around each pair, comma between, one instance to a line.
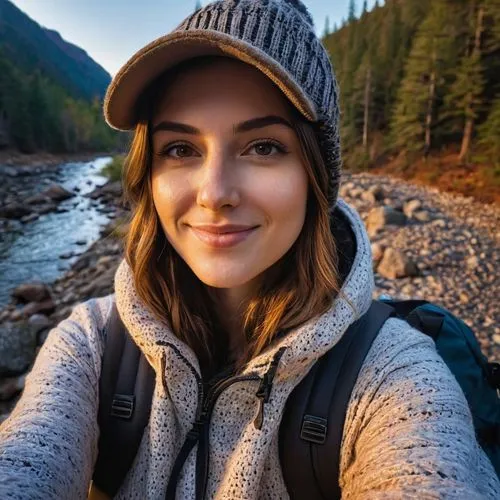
(30,46)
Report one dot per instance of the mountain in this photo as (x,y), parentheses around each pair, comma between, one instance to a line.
(31,47)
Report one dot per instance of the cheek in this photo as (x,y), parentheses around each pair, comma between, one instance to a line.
(170,197)
(285,196)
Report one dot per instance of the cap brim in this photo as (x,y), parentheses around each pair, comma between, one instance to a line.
(165,52)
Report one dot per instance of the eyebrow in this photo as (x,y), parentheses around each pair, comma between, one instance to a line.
(254,123)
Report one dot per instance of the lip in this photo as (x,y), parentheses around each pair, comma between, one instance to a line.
(222,236)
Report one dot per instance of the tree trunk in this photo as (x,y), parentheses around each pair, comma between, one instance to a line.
(367,108)
(469,120)
(430,108)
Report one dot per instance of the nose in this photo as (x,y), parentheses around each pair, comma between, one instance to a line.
(217,187)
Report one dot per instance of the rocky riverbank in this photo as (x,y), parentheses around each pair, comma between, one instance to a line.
(426,244)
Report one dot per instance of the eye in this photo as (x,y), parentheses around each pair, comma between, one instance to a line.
(180,147)
(267,145)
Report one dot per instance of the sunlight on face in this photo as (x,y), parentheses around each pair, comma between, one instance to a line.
(221,174)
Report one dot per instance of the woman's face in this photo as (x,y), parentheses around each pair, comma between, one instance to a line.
(218,161)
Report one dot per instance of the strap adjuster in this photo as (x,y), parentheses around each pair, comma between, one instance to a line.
(123,406)
(314,429)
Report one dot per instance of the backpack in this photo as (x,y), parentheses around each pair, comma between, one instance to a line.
(311,429)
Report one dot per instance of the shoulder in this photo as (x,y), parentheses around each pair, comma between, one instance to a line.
(399,344)
(85,327)
(402,359)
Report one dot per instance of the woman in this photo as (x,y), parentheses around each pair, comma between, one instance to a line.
(239,258)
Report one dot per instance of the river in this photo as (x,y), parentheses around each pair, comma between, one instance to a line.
(32,251)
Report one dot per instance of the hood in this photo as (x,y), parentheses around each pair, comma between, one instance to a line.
(312,339)
(296,352)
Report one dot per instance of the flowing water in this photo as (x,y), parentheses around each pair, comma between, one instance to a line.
(31,252)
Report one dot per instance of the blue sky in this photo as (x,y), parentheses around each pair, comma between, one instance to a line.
(111,31)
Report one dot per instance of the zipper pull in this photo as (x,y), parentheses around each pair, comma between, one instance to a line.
(195,431)
(262,393)
(264,390)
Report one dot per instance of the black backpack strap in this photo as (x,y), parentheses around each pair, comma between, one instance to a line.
(313,422)
(125,392)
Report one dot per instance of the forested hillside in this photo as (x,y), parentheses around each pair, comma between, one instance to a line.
(419,77)
(50,91)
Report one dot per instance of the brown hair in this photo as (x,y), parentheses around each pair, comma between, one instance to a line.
(298,287)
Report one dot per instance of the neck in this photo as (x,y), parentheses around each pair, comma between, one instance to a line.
(230,305)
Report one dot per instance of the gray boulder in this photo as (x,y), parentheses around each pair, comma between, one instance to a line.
(17,347)
(395,264)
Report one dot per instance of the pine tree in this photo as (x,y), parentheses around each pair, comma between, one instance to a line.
(489,134)
(352,11)
(424,83)
(327,27)
(365,6)
(197,6)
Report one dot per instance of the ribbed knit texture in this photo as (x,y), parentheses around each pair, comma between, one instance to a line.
(284,30)
(408,431)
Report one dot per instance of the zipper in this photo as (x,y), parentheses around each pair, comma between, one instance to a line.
(202,458)
(264,390)
(200,430)
(197,376)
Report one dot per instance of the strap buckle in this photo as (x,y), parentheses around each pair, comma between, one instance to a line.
(123,406)
(314,429)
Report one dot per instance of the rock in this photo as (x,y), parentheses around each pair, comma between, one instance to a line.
(464,298)
(30,218)
(16,315)
(411,206)
(47,306)
(17,348)
(66,255)
(381,216)
(439,223)
(35,291)
(37,199)
(377,192)
(377,252)
(369,197)
(45,209)
(496,338)
(57,193)
(105,261)
(69,298)
(422,215)
(113,188)
(80,242)
(11,386)
(39,322)
(472,262)
(356,192)
(395,264)
(110,188)
(14,210)
(81,263)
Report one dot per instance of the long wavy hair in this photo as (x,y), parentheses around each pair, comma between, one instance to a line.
(301,285)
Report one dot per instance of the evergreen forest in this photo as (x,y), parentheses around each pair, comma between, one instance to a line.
(419,79)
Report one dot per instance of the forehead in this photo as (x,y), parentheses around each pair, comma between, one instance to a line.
(218,86)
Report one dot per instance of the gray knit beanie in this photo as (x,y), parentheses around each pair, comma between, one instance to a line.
(275,36)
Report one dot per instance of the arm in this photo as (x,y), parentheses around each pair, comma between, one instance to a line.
(48,444)
(409,429)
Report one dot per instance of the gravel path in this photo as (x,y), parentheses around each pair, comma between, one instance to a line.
(457,251)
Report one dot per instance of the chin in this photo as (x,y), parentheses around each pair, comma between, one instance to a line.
(221,277)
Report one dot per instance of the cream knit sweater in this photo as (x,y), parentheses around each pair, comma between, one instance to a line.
(408,431)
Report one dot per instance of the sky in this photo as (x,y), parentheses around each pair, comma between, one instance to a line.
(111,31)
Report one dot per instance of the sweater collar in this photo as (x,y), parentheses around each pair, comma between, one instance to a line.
(298,350)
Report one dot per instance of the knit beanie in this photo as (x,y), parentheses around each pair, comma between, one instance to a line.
(275,36)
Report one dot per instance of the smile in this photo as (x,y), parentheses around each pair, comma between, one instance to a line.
(222,240)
